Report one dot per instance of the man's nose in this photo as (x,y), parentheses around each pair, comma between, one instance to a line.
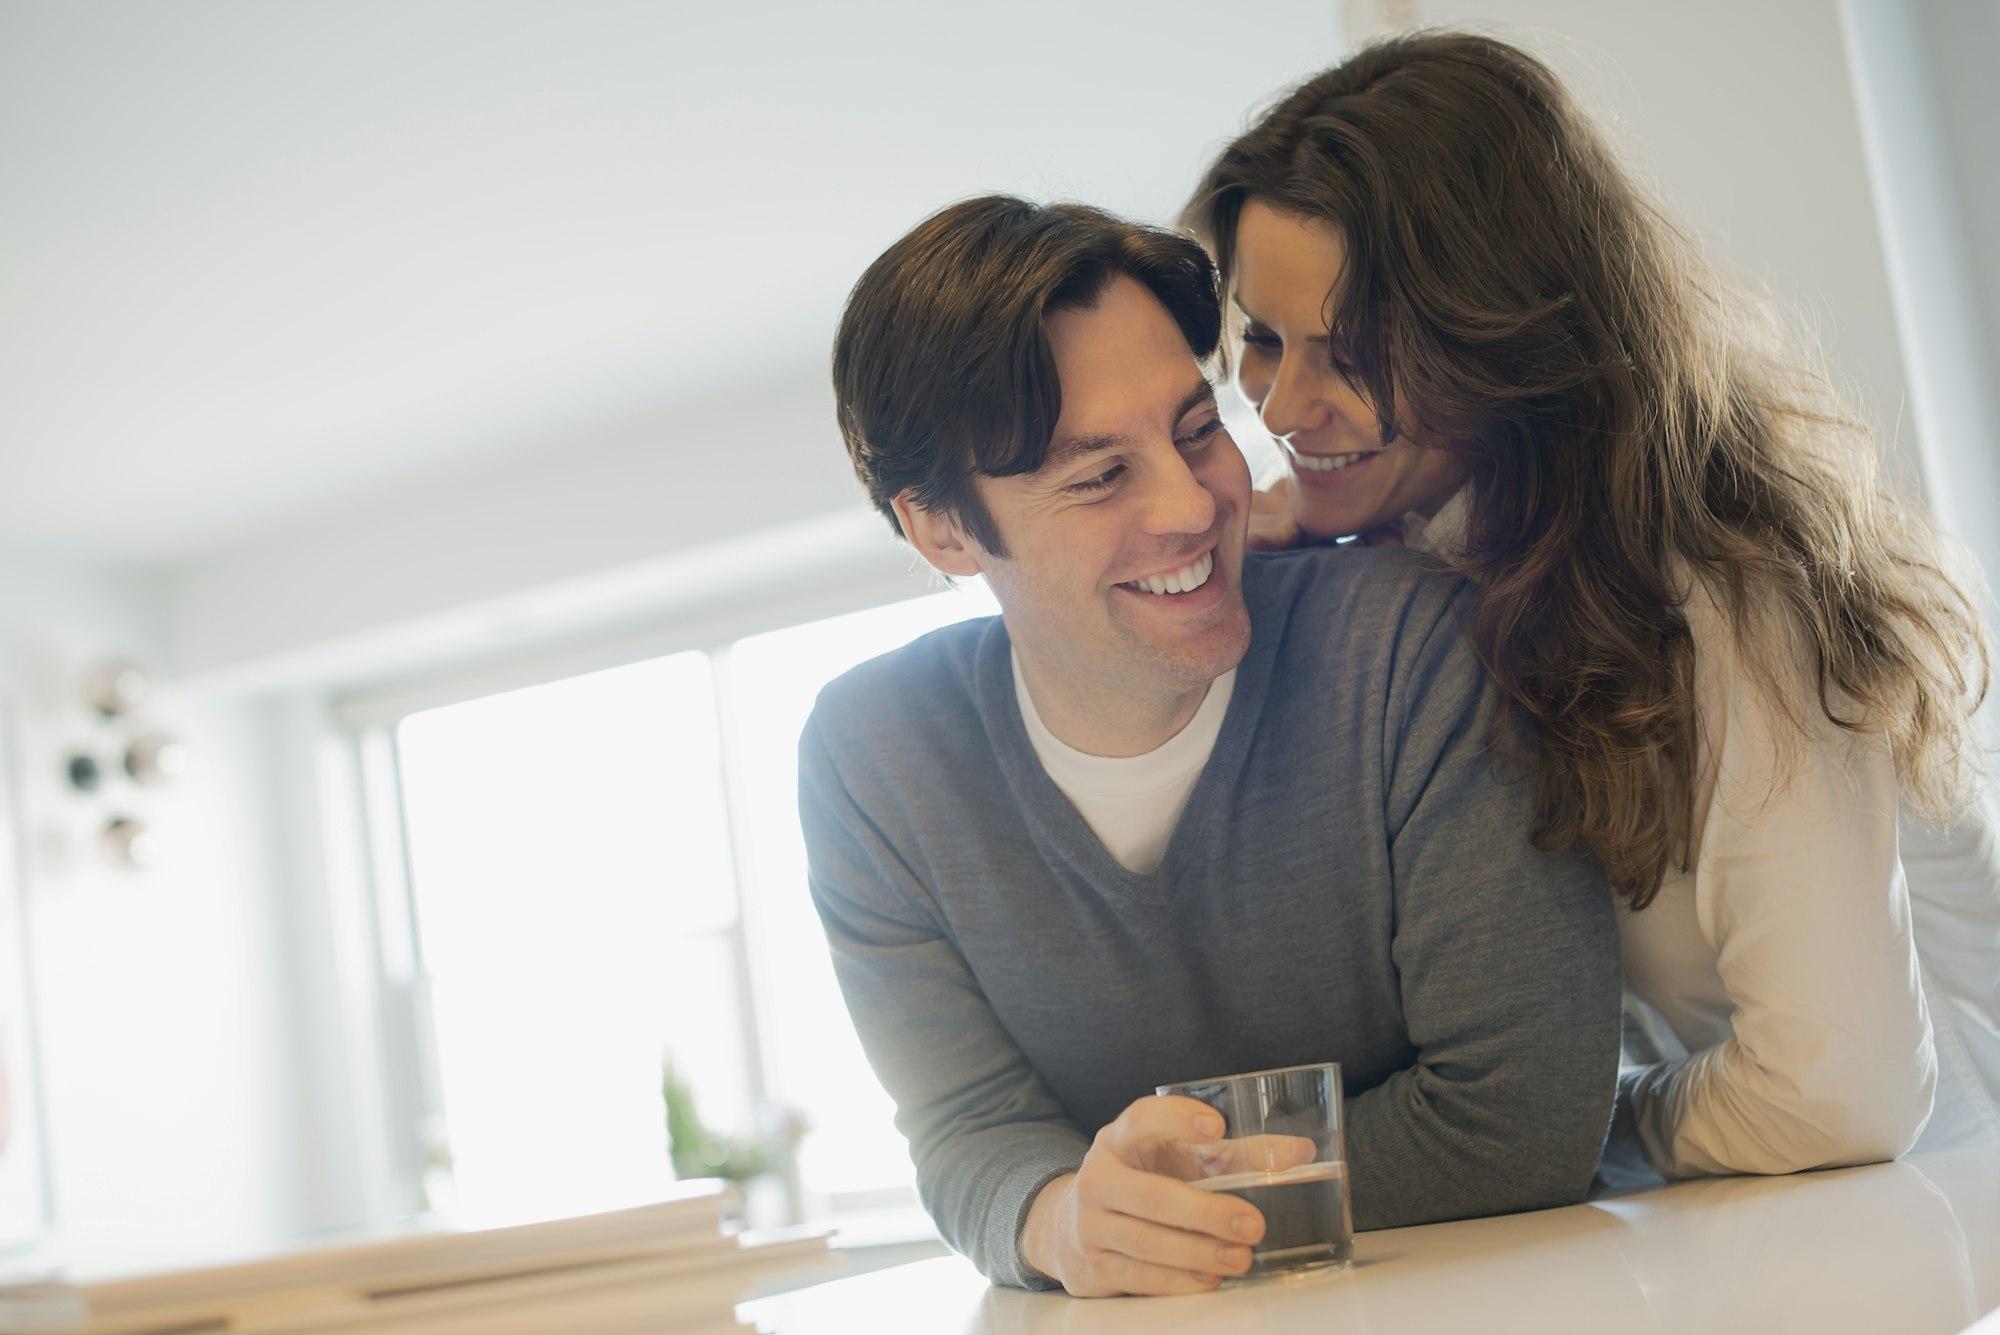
(1176,501)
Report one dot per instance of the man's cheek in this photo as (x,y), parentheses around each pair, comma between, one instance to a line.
(1229,482)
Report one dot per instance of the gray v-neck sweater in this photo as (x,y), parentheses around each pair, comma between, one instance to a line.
(1352,881)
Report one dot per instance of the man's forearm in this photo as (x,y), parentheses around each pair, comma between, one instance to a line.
(1507,957)
(1037,1235)
(981,1188)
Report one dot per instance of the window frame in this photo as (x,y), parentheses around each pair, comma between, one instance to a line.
(366,722)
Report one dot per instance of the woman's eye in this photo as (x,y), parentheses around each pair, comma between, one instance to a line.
(1102,482)
(1201,435)
(1261,341)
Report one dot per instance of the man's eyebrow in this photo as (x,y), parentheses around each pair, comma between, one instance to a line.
(1071,448)
(1202,395)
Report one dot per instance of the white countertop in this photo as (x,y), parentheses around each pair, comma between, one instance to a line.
(1910,1248)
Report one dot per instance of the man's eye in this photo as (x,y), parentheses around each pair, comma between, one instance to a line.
(1102,482)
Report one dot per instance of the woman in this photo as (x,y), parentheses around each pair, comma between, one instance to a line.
(1746,666)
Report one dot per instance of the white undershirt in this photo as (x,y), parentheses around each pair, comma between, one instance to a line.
(1131,803)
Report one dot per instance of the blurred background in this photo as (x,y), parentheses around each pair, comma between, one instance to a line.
(423,531)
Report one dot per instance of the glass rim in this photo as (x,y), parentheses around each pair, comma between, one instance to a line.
(1161,1090)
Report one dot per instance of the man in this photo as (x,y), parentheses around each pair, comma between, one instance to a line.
(1176,813)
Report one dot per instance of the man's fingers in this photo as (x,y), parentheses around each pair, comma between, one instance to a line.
(1255,1154)
(1175,1248)
(1113,1274)
(1163,1200)
(1159,1117)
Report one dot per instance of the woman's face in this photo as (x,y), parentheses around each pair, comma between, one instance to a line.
(1344,480)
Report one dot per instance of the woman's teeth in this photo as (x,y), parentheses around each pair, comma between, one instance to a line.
(1327,463)
(1185,580)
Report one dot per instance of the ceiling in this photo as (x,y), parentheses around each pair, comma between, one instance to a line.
(261,259)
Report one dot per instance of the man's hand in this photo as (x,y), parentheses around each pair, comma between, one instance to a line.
(1249,1154)
(1128,1222)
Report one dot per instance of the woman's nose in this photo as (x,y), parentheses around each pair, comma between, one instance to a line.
(1295,401)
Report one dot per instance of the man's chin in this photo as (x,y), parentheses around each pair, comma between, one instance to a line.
(1198,635)
(1203,653)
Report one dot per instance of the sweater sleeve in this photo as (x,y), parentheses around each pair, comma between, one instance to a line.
(1507,960)
(1800,892)
(985,1132)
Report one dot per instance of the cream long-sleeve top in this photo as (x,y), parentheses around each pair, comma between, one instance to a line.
(1827,965)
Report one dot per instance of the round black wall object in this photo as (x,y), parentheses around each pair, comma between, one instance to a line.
(84,773)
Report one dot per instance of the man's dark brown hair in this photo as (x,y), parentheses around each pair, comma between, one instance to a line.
(942,369)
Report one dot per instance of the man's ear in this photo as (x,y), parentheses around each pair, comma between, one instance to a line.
(938,537)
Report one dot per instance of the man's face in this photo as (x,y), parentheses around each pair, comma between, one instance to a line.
(1125,549)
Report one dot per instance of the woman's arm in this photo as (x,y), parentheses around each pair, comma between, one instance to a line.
(1272,527)
(1799,890)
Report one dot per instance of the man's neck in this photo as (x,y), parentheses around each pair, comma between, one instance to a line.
(1129,719)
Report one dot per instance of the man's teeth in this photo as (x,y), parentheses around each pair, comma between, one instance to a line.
(1326,463)
(1185,580)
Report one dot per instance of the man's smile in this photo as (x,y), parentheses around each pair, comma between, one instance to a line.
(1190,585)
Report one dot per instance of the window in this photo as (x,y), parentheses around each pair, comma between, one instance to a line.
(607,869)
(850,1150)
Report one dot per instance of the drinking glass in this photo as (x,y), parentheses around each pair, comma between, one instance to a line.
(1283,1151)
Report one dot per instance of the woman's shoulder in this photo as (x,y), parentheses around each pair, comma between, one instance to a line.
(1761,710)
(1746,640)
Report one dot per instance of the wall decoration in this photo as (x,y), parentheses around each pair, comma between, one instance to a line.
(127,843)
(116,688)
(134,756)
(85,773)
(156,758)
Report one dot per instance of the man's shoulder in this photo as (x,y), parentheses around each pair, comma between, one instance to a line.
(909,691)
(1345,595)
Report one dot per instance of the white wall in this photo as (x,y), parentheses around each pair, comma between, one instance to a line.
(266,257)
(1924,77)
(1962,40)
(1745,115)
(162,1025)
(614,499)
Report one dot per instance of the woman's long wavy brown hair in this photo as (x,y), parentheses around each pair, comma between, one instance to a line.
(1627,418)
